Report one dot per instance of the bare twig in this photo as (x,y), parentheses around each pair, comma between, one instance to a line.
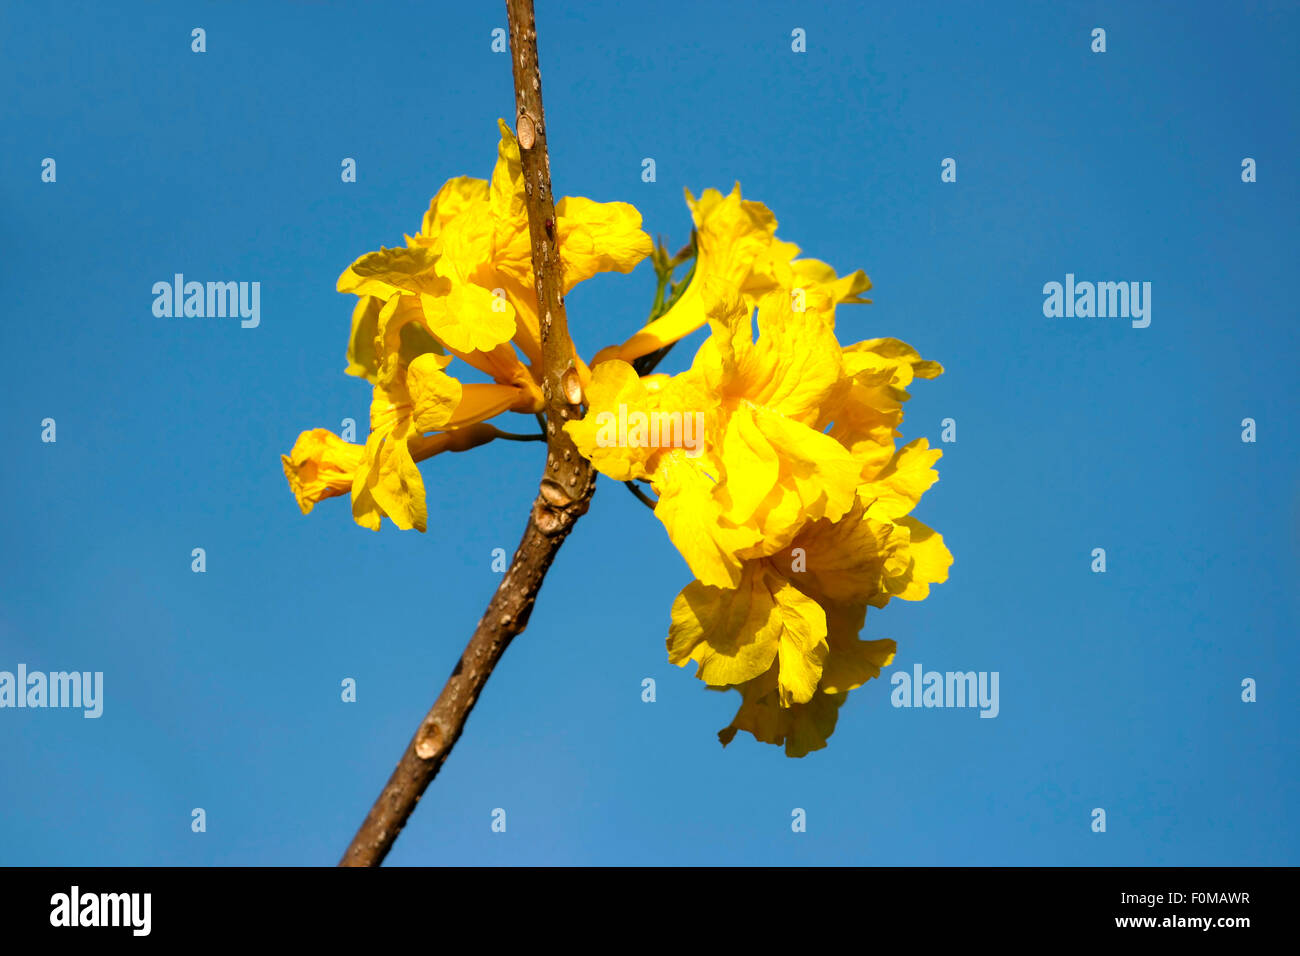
(568,482)
(640,495)
(511,436)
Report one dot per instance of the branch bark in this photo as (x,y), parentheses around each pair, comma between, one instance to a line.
(567,484)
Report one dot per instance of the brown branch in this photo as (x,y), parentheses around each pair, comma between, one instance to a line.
(568,482)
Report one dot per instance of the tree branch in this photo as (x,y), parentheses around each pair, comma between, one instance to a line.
(567,485)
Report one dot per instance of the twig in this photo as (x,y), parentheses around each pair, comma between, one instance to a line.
(567,485)
(512,436)
(640,495)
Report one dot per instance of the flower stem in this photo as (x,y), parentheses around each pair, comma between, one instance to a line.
(511,436)
(638,493)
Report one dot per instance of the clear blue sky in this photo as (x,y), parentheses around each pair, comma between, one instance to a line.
(1119,690)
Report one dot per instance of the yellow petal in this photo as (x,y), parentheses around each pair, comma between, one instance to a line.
(434,394)
(903,361)
(481,401)
(817,468)
(398,483)
(795,366)
(803,645)
(627,425)
(733,634)
(598,237)
(365,511)
(803,728)
(390,271)
(692,517)
(522,296)
(852,661)
(752,465)
(363,361)
(396,332)
(734,236)
(507,191)
(866,423)
(469,318)
(395,485)
(321,465)
(899,487)
(930,561)
(613,386)
(458,197)
(815,274)
(738,249)
(502,363)
(842,562)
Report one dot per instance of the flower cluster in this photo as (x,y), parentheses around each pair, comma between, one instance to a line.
(460,289)
(794,512)
(793,507)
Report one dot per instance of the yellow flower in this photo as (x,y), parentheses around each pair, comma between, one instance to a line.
(367,351)
(792,506)
(789,642)
(418,399)
(773,456)
(413,399)
(322,465)
(764,465)
(461,288)
(788,605)
(800,727)
(470,266)
(738,251)
(867,419)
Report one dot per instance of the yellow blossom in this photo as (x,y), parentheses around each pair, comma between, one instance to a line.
(322,465)
(765,465)
(461,288)
(774,456)
(801,610)
(416,400)
(738,251)
(470,266)
(793,510)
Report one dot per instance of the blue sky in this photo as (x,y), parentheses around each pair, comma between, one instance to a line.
(1119,690)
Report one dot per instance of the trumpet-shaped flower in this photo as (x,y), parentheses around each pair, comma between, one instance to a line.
(766,465)
(461,288)
(470,266)
(322,465)
(738,251)
(793,510)
(787,636)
